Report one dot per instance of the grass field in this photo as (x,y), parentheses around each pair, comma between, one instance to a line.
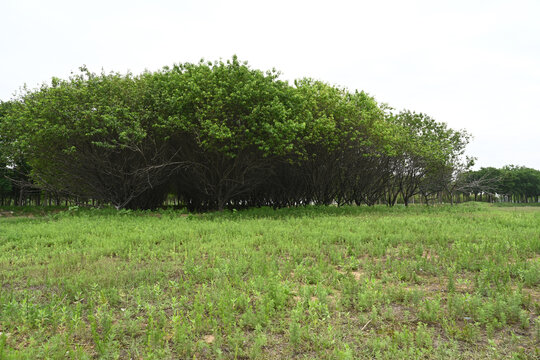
(309,283)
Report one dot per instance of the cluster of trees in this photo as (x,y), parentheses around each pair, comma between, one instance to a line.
(221,134)
(510,184)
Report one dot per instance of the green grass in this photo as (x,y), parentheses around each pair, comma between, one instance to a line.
(506,204)
(312,283)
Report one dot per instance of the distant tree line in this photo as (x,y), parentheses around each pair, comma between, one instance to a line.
(217,135)
(509,184)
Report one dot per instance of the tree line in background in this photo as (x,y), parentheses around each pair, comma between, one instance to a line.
(217,135)
(508,184)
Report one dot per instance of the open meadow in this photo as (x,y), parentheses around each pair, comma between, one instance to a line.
(437,282)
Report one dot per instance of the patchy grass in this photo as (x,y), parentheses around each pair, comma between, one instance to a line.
(317,282)
(512,205)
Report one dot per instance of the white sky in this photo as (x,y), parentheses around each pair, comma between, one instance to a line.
(473,64)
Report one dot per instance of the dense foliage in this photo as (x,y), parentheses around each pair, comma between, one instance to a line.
(222,135)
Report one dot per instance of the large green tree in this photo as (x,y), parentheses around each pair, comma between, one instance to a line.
(231,123)
(221,134)
(427,156)
(93,135)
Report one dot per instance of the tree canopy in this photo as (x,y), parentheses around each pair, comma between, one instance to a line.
(221,134)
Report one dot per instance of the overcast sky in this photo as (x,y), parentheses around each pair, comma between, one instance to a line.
(473,64)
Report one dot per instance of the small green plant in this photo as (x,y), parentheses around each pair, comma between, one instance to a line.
(258,343)
(294,334)
(3,340)
(430,310)
(451,288)
(345,353)
(102,331)
(423,336)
